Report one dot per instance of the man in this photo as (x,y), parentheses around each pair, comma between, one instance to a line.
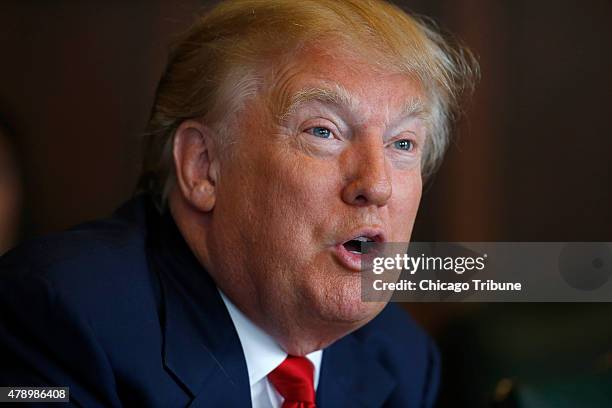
(283,134)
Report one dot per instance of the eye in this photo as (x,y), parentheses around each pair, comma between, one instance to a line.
(318,131)
(404,144)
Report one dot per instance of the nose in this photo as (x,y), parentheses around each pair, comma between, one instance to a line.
(368,182)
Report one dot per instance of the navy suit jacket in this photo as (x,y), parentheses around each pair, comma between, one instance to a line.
(121,312)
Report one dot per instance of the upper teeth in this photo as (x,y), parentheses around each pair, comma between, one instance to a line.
(362,239)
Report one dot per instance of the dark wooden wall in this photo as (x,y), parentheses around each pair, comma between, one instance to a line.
(77,81)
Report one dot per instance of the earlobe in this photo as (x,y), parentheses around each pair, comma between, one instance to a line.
(193,153)
(203,197)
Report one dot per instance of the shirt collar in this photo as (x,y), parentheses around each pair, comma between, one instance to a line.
(262,353)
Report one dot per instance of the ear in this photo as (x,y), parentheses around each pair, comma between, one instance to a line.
(195,164)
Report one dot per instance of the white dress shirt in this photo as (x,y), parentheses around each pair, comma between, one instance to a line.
(262,356)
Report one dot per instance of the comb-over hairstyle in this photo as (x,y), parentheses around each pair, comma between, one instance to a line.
(218,64)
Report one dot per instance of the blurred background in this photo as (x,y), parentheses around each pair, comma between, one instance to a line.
(531,161)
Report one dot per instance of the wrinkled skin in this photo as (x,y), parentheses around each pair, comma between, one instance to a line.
(266,221)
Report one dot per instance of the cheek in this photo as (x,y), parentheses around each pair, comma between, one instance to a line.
(283,194)
(404,203)
(303,179)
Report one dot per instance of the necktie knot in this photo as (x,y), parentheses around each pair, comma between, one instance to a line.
(293,379)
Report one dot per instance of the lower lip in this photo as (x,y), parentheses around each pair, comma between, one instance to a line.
(348,259)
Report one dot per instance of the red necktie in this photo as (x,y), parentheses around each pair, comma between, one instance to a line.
(293,379)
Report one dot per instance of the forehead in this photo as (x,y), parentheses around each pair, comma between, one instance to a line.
(336,75)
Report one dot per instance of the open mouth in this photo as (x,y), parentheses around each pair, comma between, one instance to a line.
(354,245)
(353,252)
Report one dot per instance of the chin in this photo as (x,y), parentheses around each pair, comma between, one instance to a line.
(360,313)
(329,298)
(345,308)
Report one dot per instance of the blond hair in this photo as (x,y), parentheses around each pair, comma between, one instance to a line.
(216,66)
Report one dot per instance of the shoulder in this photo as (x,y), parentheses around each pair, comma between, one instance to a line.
(64,297)
(96,273)
(76,305)
(86,259)
(404,349)
(89,260)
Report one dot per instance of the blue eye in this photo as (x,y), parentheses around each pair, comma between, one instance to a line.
(404,144)
(321,132)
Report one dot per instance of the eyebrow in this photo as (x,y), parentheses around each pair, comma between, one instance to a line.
(342,97)
(338,96)
(415,107)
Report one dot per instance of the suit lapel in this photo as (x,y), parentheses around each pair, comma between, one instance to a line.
(201,347)
(350,377)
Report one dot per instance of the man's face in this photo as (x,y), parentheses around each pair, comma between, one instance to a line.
(343,163)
